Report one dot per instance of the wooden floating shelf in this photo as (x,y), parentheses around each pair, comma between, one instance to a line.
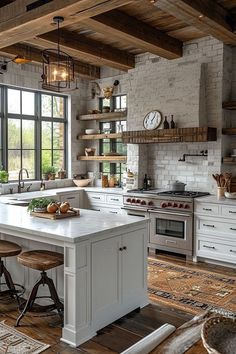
(229,163)
(105,116)
(177,135)
(100,136)
(229,131)
(231,105)
(103,158)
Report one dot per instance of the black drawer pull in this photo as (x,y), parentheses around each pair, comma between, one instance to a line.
(113,212)
(207,209)
(208,225)
(70,198)
(233,229)
(96,198)
(212,247)
(121,249)
(124,248)
(232,212)
(233,251)
(115,199)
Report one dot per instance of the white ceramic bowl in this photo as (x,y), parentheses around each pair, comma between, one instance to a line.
(91,131)
(81,182)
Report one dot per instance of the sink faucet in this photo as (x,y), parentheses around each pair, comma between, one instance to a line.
(21,185)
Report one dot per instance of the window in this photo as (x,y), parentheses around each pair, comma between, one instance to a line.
(34,124)
(116,103)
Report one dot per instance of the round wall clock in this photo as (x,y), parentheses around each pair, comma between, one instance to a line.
(152,120)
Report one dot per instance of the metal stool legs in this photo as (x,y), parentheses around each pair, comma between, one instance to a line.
(11,287)
(44,280)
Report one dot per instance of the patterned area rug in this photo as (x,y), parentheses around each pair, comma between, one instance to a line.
(13,341)
(191,290)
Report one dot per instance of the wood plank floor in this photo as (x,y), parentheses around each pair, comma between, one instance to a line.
(116,337)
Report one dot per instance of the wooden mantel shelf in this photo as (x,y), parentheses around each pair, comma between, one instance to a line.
(103,158)
(177,135)
(231,105)
(100,136)
(105,116)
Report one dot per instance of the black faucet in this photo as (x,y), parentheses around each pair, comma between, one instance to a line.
(21,185)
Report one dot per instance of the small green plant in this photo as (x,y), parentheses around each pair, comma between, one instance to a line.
(3,175)
(39,203)
(49,169)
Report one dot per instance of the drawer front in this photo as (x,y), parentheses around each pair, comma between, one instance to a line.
(114,199)
(217,251)
(113,211)
(209,226)
(207,209)
(229,211)
(96,198)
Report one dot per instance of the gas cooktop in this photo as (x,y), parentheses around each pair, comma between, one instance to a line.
(156,191)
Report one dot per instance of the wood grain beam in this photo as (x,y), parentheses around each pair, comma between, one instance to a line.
(206,15)
(87,49)
(136,33)
(84,70)
(20,20)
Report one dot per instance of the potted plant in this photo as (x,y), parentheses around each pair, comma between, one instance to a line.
(3,175)
(39,205)
(49,172)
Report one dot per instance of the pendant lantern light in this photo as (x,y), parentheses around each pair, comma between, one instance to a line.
(58,66)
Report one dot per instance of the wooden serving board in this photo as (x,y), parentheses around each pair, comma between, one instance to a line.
(55,216)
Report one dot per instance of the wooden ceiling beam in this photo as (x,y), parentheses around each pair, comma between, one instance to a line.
(136,33)
(24,19)
(205,15)
(83,70)
(84,48)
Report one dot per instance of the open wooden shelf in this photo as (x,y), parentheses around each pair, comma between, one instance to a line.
(229,131)
(231,105)
(103,158)
(105,116)
(177,135)
(99,136)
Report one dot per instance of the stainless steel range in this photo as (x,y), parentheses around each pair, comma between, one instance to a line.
(171,216)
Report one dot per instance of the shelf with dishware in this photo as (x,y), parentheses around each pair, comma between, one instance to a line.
(110,116)
(229,131)
(230,105)
(99,136)
(110,158)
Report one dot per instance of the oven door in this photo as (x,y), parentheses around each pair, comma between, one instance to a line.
(171,230)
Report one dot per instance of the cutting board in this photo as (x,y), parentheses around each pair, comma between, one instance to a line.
(55,216)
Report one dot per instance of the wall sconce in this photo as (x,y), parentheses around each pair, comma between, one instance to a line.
(108,91)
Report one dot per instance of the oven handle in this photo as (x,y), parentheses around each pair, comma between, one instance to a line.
(168,213)
(134,209)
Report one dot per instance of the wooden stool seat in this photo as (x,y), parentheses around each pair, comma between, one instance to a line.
(9,249)
(41,259)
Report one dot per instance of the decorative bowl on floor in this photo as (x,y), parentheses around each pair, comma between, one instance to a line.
(81,182)
(219,335)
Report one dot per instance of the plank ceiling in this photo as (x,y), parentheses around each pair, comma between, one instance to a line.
(111,32)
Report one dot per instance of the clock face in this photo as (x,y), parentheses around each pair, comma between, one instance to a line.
(152,120)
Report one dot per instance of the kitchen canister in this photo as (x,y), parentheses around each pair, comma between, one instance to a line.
(220,193)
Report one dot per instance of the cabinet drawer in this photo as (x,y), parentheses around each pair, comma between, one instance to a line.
(207,209)
(229,211)
(209,226)
(96,198)
(218,251)
(114,199)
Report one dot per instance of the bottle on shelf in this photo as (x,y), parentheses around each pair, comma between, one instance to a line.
(149,182)
(166,124)
(145,182)
(172,123)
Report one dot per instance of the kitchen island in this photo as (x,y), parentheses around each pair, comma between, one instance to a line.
(104,274)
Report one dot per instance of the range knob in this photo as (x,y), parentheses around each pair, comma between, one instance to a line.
(169,204)
(150,203)
(133,200)
(138,201)
(143,202)
(128,200)
(175,205)
(181,205)
(186,206)
(163,205)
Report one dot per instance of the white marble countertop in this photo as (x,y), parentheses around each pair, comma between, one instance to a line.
(214,199)
(72,229)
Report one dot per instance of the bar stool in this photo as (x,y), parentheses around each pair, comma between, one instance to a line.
(9,249)
(41,260)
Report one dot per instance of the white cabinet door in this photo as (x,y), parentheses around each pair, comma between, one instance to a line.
(72,198)
(106,279)
(134,257)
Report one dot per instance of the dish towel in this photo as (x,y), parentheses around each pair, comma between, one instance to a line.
(148,343)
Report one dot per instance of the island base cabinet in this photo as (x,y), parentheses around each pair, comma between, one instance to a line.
(118,277)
